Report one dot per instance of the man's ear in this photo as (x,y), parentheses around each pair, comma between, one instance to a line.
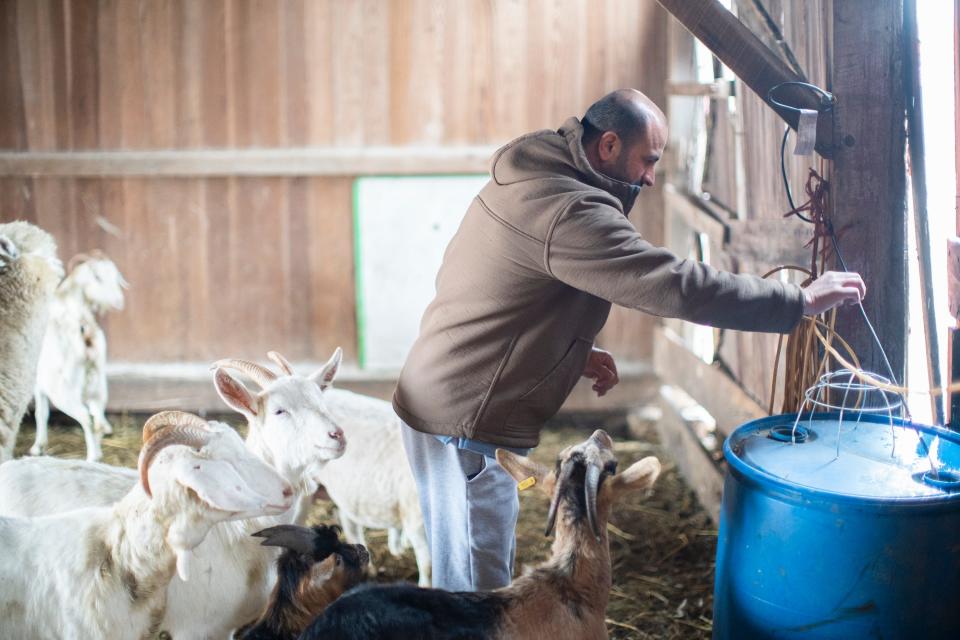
(639,475)
(523,469)
(609,146)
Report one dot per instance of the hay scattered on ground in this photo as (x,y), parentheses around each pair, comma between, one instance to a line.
(662,545)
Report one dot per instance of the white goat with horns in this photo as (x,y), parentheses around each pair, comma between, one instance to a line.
(72,369)
(102,572)
(372,484)
(289,427)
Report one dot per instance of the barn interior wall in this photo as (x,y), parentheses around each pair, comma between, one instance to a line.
(237,265)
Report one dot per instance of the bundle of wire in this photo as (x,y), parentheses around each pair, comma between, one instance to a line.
(810,346)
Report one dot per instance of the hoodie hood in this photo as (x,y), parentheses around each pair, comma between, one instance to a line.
(556,153)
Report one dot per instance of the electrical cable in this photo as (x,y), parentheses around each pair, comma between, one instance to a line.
(827,99)
(786,183)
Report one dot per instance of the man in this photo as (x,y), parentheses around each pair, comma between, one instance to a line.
(525,286)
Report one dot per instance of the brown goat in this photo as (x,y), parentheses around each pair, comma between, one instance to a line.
(564,599)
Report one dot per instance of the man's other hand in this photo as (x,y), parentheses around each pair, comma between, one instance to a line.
(602,370)
(832,289)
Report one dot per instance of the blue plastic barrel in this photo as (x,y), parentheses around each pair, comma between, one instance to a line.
(861,545)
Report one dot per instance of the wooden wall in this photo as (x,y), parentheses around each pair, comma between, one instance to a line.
(239,264)
(744,184)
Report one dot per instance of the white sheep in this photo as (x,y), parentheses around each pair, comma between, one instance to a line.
(371,484)
(29,272)
(289,427)
(72,369)
(102,572)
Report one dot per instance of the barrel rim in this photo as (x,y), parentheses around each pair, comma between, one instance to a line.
(788,489)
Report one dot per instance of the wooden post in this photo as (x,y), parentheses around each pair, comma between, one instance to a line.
(752,61)
(869,181)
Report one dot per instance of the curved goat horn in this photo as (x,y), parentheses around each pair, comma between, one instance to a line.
(78,259)
(258,373)
(566,470)
(165,436)
(319,541)
(591,486)
(280,362)
(166,419)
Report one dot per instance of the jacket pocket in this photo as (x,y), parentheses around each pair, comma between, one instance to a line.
(542,402)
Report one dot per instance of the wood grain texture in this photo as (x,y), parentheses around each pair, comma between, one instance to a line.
(870,178)
(225,260)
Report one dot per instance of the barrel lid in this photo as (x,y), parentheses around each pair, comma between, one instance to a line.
(879,457)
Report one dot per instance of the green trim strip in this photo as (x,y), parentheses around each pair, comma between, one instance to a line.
(358,279)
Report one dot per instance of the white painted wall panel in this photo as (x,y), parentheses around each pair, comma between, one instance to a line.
(402,227)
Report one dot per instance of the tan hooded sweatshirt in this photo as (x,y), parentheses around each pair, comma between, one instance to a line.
(526,284)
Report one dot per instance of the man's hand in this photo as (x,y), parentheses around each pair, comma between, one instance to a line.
(602,370)
(832,289)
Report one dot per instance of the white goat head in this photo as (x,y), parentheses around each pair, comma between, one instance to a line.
(289,419)
(199,473)
(97,278)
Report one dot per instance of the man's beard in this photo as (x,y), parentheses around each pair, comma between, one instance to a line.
(619,171)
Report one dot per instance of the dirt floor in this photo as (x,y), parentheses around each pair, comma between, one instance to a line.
(662,544)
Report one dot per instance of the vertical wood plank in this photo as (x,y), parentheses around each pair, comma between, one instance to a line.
(376,72)
(347,56)
(83,76)
(331,295)
(869,186)
(13,119)
(510,93)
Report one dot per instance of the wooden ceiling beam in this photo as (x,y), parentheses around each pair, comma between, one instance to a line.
(751,60)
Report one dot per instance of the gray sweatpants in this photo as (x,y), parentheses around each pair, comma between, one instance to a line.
(470,510)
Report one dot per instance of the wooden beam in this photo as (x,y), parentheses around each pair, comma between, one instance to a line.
(751,60)
(142,387)
(677,435)
(314,161)
(713,90)
(869,176)
(716,391)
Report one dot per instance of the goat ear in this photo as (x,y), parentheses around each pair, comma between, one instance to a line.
(522,469)
(639,475)
(323,570)
(325,376)
(232,391)
(220,486)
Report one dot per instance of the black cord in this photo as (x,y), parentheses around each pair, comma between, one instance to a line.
(786,183)
(827,99)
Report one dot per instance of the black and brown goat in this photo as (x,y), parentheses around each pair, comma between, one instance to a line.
(564,599)
(314,569)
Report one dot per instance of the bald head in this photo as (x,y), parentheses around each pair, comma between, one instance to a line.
(624,134)
(626,112)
